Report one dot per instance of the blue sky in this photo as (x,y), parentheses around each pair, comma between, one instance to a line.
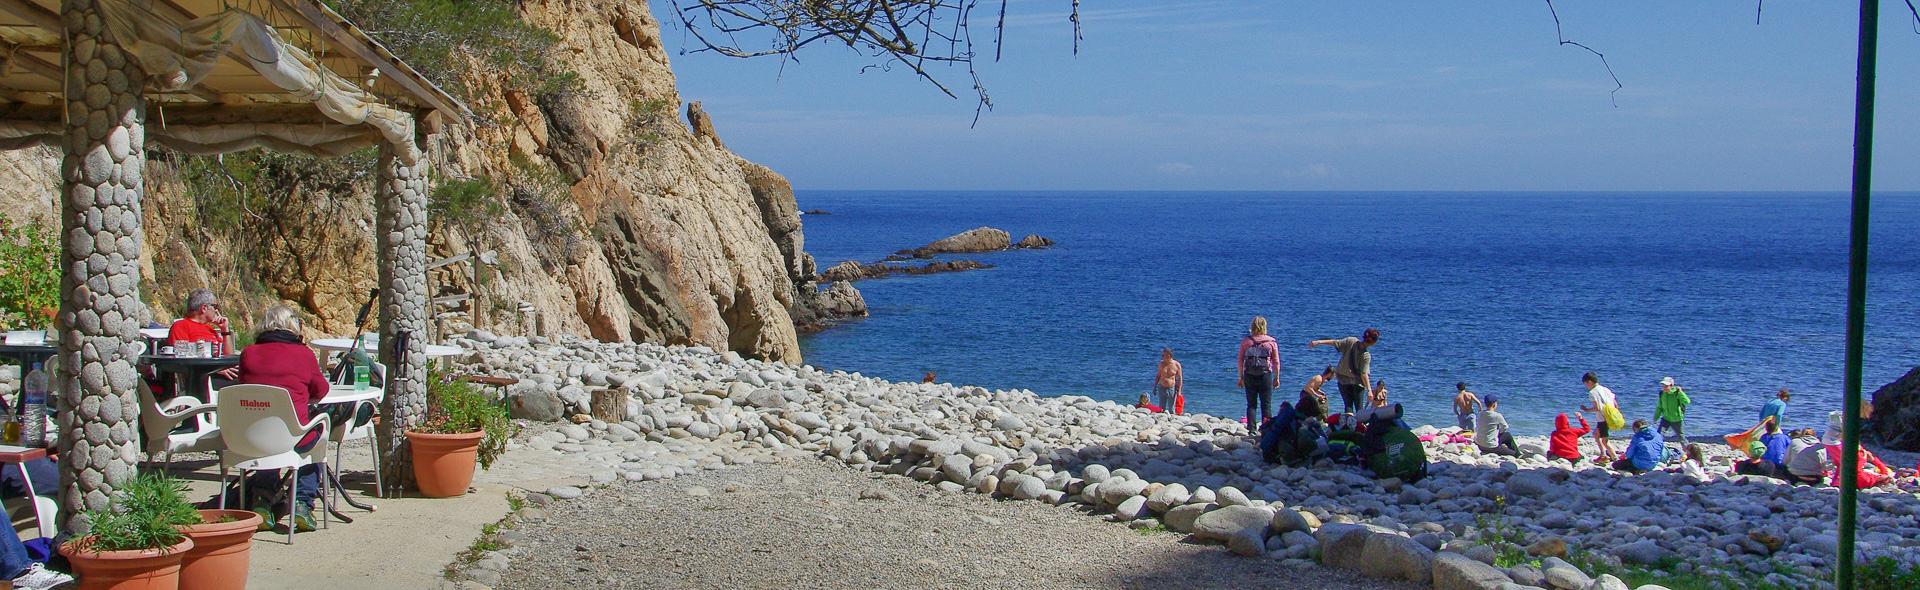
(1208,95)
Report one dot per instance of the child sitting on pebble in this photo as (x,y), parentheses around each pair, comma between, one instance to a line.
(1147,405)
(1696,464)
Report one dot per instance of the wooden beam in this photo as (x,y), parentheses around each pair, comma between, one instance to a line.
(31,112)
(34,13)
(48,69)
(224,114)
(39,66)
(449,260)
(319,20)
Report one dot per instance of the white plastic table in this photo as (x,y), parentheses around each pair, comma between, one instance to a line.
(432,350)
(346,394)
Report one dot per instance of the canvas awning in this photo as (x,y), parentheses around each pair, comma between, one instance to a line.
(236,68)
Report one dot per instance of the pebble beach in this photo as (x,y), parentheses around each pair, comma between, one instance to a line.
(963,473)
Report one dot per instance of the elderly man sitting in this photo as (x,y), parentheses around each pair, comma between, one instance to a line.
(204,323)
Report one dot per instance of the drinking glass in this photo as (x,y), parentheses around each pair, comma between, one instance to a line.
(362,377)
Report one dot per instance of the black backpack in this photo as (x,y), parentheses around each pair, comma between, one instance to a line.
(1255,363)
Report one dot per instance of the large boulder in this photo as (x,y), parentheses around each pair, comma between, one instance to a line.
(1033,241)
(1896,412)
(1395,557)
(1223,524)
(1645,552)
(537,405)
(1342,545)
(1453,571)
(1181,518)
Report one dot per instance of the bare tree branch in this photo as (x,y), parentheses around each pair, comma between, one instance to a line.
(1611,96)
(915,34)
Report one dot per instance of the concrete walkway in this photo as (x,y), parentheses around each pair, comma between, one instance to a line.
(405,544)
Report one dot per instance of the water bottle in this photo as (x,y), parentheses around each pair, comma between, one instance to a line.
(33,409)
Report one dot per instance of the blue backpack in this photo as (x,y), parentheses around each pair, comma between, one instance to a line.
(1257,361)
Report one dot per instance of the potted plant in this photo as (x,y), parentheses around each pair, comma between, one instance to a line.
(464,426)
(135,544)
(222,549)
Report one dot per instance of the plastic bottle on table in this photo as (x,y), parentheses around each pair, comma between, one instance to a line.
(33,409)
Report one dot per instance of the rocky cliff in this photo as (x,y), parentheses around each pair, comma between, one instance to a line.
(600,212)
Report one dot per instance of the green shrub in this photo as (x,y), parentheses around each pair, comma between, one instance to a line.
(146,515)
(444,38)
(1886,573)
(457,407)
(29,274)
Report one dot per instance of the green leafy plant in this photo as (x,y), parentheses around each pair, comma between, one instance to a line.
(643,120)
(29,274)
(457,407)
(1886,573)
(146,515)
(444,38)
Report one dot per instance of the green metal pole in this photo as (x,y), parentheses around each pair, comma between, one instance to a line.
(1857,287)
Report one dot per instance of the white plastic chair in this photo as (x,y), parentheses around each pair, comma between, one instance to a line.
(260,431)
(157,422)
(349,431)
(45,510)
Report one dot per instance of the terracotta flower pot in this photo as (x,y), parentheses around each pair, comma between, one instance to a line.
(149,569)
(221,550)
(443,463)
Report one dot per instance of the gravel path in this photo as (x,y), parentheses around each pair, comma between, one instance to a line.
(805,524)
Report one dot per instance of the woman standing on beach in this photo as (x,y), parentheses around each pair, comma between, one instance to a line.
(1259,365)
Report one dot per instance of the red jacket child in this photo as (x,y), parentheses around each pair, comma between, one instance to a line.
(1566,439)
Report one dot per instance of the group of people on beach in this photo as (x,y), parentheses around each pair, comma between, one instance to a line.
(1798,456)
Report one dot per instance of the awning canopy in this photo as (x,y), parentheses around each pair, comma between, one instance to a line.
(233,69)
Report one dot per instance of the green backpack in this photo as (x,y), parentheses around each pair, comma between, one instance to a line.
(1404,457)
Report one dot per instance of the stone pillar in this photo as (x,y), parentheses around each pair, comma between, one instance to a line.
(400,204)
(100,308)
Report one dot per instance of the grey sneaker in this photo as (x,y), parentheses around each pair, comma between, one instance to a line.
(38,577)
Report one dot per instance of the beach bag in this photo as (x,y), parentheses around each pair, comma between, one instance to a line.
(1255,363)
(1180,403)
(1270,434)
(1402,456)
(1615,421)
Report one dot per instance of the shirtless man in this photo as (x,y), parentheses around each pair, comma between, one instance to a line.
(1465,406)
(1169,382)
(1313,402)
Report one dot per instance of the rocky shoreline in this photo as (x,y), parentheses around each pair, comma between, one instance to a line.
(1475,522)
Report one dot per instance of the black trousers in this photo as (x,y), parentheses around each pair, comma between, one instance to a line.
(1259,396)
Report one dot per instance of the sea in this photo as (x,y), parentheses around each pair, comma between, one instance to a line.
(1734,295)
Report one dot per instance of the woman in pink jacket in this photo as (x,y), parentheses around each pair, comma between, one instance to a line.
(1259,366)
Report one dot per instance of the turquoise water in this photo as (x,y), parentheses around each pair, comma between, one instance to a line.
(1735,295)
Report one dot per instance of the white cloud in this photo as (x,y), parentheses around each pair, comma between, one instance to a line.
(1176,168)
(1314,170)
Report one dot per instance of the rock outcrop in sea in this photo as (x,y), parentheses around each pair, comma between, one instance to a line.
(853,271)
(974,241)
(1554,525)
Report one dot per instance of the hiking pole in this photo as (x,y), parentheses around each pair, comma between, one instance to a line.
(1857,289)
(360,330)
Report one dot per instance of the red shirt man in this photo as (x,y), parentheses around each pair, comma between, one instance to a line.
(204,323)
